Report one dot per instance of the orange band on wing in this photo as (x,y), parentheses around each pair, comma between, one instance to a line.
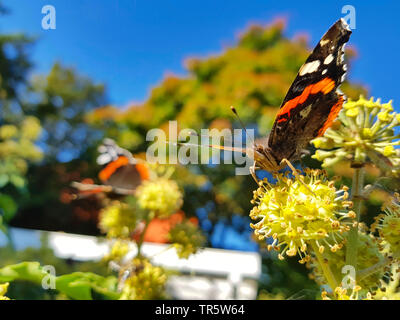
(112,167)
(325,86)
(332,116)
(143,171)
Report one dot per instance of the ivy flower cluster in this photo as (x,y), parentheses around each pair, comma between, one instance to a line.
(118,220)
(3,291)
(368,253)
(305,214)
(345,294)
(161,197)
(118,251)
(17,149)
(367,131)
(129,218)
(388,226)
(186,238)
(298,214)
(145,281)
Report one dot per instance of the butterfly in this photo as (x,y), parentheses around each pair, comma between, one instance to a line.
(309,107)
(120,168)
(121,172)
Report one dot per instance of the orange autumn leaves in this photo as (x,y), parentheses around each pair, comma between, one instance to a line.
(158,229)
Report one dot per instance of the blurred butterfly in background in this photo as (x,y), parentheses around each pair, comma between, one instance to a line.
(121,173)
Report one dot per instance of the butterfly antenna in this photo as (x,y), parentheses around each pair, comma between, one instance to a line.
(185,144)
(241,123)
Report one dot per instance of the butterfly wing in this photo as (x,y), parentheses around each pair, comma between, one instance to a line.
(313,100)
(120,168)
(127,177)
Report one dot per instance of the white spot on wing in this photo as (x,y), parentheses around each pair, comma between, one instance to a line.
(324,71)
(328,59)
(102,149)
(103,159)
(324,42)
(309,67)
(345,25)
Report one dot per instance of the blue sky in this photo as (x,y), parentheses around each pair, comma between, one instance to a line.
(130,45)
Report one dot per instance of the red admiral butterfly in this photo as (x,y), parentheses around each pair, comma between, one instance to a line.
(121,172)
(310,106)
(120,168)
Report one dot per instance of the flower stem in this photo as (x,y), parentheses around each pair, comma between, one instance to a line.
(352,239)
(374,268)
(141,238)
(328,274)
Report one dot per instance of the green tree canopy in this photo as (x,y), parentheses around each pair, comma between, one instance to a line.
(61,99)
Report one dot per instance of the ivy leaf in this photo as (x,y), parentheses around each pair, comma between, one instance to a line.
(8,207)
(17,181)
(3,180)
(3,227)
(77,285)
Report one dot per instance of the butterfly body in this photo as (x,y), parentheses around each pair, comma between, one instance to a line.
(264,158)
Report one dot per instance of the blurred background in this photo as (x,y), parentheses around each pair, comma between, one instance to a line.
(119,68)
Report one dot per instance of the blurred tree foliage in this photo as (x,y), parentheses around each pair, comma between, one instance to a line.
(18,133)
(60,100)
(14,66)
(17,147)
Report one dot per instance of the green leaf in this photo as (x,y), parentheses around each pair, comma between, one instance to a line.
(17,181)
(28,271)
(77,285)
(8,206)
(3,180)
(3,227)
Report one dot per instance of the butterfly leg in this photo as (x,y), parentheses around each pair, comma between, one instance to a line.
(304,153)
(252,170)
(296,174)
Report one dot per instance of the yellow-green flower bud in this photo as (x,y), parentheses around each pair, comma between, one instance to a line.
(30,128)
(3,291)
(145,281)
(352,112)
(8,131)
(346,294)
(162,197)
(117,220)
(187,238)
(118,250)
(388,225)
